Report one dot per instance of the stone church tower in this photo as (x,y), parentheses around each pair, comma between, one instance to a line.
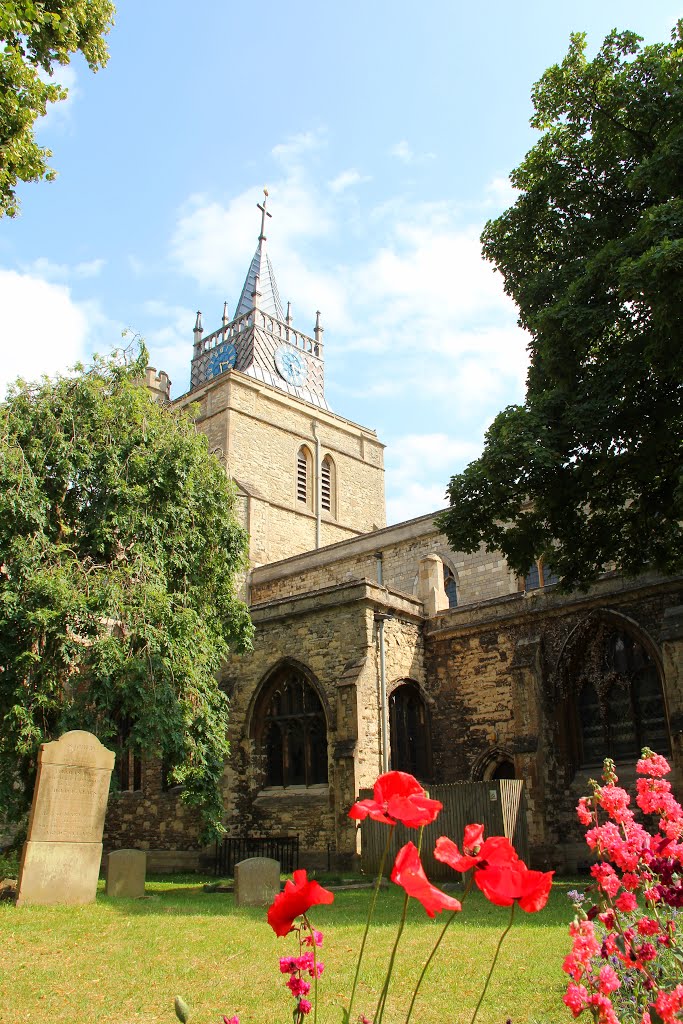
(306,476)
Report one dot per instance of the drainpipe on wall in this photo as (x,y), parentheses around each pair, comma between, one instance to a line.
(317,483)
(380,619)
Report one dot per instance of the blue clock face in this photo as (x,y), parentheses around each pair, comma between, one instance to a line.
(291,365)
(222,358)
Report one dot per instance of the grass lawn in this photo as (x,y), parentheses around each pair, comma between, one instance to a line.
(123,961)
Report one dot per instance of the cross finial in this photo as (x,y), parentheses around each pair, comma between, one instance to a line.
(264,214)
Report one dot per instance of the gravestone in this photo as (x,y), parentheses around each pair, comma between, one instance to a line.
(61,859)
(257,881)
(126,873)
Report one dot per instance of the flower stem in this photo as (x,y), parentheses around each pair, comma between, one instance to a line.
(315,971)
(495,958)
(379,1012)
(347,1015)
(436,946)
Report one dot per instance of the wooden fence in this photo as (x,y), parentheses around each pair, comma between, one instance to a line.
(499,805)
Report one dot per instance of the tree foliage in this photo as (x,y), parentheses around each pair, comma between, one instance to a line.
(588,471)
(118,557)
(36,35)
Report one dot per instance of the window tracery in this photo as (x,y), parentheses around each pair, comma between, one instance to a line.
(291,731)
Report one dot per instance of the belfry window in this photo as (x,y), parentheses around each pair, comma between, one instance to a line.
(620,707)
(328,485)
(292,731)
(304,488)
(409,731)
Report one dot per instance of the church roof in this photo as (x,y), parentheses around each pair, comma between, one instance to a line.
(262,269)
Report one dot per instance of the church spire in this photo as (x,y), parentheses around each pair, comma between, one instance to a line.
(260,276)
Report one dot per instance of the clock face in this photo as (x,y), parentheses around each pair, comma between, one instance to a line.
(222,358)
(291,365)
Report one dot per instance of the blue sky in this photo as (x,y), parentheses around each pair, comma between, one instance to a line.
(385,134)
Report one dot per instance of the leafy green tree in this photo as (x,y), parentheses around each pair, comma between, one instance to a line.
(119,553)
(36,35)
(588,472)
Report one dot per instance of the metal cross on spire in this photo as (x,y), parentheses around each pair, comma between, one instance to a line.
(264,214)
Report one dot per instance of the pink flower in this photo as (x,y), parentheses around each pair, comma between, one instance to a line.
(304,1006)
(609,980)
(653,764)
(583,811)
(231,1020)
(298,987)
(315,938)
(575,998)
(626,902)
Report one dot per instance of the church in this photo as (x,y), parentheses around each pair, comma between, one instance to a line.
(378,646)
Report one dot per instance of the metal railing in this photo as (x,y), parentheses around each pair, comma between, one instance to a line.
(231,851)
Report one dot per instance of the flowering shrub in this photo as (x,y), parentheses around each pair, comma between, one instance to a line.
(626,962)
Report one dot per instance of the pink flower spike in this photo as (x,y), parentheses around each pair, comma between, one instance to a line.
(305,1006)
(653,764)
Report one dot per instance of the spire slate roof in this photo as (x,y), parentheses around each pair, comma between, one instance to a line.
(260,268)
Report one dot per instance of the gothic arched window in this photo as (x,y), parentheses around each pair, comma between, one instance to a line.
(409,732)
(304,484)
(450,586)
(291,731)
(619,704)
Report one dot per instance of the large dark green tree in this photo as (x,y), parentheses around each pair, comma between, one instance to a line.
(35,36)
(588,472)
(119,553)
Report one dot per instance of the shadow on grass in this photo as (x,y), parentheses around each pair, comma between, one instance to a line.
(183,899)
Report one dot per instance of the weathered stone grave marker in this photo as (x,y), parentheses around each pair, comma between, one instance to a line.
(257,881)
(126,873)
(61,859)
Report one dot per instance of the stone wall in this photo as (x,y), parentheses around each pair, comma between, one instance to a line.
(494,674)
(157,821)
(332,636)
(481,576)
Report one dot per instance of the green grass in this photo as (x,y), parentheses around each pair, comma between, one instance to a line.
(123,961)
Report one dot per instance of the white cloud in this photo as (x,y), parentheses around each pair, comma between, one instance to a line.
(419,467)
(404,152)
(501,193)
(44,330)
(46,269)
(346,179)
(59,114)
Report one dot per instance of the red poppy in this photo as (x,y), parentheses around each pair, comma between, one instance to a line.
(297,897)
(477,851)
(398,796)
(409,873)
(503,884)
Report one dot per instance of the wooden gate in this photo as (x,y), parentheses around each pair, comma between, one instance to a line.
(499,805)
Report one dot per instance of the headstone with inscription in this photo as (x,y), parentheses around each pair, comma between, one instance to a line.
(257,881)
(61,858)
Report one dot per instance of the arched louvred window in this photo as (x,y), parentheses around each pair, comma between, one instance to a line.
(620,709)
(304,484)
(450,586)
(409,732)
(328,486)
(291,731)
